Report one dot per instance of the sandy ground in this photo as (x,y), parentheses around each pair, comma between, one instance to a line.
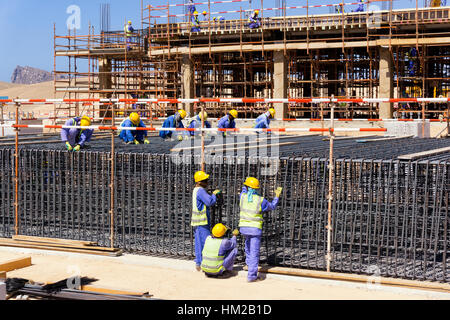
(172,279)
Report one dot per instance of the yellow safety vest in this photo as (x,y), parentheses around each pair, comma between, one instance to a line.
(126,31)
(251,212)
(199,218)
(211,261)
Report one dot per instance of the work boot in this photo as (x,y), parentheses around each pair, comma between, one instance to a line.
(197,267)
(258,278)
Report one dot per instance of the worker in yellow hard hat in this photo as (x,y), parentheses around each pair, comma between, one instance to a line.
(128,31)
(227,121)
(252,207)
(200,220)
(174,121)
(75,138)
(219,253)
(133,136)
(197,123)
(254,21)
(263,121)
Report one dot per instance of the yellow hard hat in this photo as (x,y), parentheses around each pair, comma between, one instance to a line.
(85,121)
(204,13)
(135,118)
(200,176)
(202,115)
(257,11)
(129,22)
(195,13)
(233,113)
(252,183)
(182,113)
(219,230)
(272,112)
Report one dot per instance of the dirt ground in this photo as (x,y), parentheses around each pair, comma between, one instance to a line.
(172,279)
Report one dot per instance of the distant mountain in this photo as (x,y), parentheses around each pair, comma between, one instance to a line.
(29,75)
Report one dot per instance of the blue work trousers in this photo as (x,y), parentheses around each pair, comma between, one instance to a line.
(252,245)
(200,235)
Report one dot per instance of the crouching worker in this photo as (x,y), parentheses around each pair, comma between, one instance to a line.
(219,253)
(74,138)
(133,136)
(173,121)
(200,220)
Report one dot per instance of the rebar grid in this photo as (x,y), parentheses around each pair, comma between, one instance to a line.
(388,215)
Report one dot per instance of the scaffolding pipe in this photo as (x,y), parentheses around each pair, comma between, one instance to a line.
(330,189)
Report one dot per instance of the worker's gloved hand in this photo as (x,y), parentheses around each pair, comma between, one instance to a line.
(146,141)
(68,146)
(235,232)
(186,137)
(216,192)
(180,138)
(77,148)
(135,141)
(278,192)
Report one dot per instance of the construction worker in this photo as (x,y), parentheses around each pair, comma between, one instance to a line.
(133,136)
(200,220)
(252,207)
(173,121)
(218,253)
(254,21)
(263,121)
(197,123)
(128,30)
(339,8)
(75,139)
(218,19)
(204,13)
(227,121)
(360,7)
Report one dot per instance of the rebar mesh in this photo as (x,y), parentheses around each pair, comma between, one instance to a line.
(387,214)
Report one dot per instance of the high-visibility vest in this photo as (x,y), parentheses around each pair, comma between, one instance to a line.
(127,31)
(199,218)
(211,261)
(251,212)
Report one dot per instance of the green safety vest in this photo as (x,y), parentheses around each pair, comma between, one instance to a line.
(211,261)
(251,212)
(199,218)
(126,31)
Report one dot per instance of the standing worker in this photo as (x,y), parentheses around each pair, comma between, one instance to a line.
(128,30)
(251,220)
(218,254)
(173,121)
(254,21)
(201,201)
(133,136)
(263,121)
(197,123)
(227,121)
(75,139)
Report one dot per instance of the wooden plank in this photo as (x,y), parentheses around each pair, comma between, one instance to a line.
(111,291)
(413,156)
(54,240)
(2,274)
(48,244)
(18,244)
(15,264)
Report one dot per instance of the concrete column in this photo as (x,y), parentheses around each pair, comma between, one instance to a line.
(386,89)
(105,81)
(187,76)
(280,82)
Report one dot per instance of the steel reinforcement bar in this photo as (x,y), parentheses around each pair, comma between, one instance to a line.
(389,218)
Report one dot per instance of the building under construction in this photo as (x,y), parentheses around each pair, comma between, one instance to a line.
(368,54)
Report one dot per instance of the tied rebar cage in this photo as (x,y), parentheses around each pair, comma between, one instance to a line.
(390,217)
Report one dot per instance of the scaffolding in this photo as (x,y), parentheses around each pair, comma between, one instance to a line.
(325,54)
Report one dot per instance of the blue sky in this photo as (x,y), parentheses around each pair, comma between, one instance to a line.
(26,26)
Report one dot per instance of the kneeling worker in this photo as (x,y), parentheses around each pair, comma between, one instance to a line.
(173,121)
(218,254)
(133,136)
(197,123)
(263,121)
(227,121)
(75,139)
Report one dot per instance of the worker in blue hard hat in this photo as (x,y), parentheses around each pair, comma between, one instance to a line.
(75,138)
(197,123)
(254,21)
(251,220)
(219,253)
(200,220)
(263,121)
(133,136)
(174,121)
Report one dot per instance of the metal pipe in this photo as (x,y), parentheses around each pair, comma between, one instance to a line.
(330,188)
(112,187)
(16,175)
